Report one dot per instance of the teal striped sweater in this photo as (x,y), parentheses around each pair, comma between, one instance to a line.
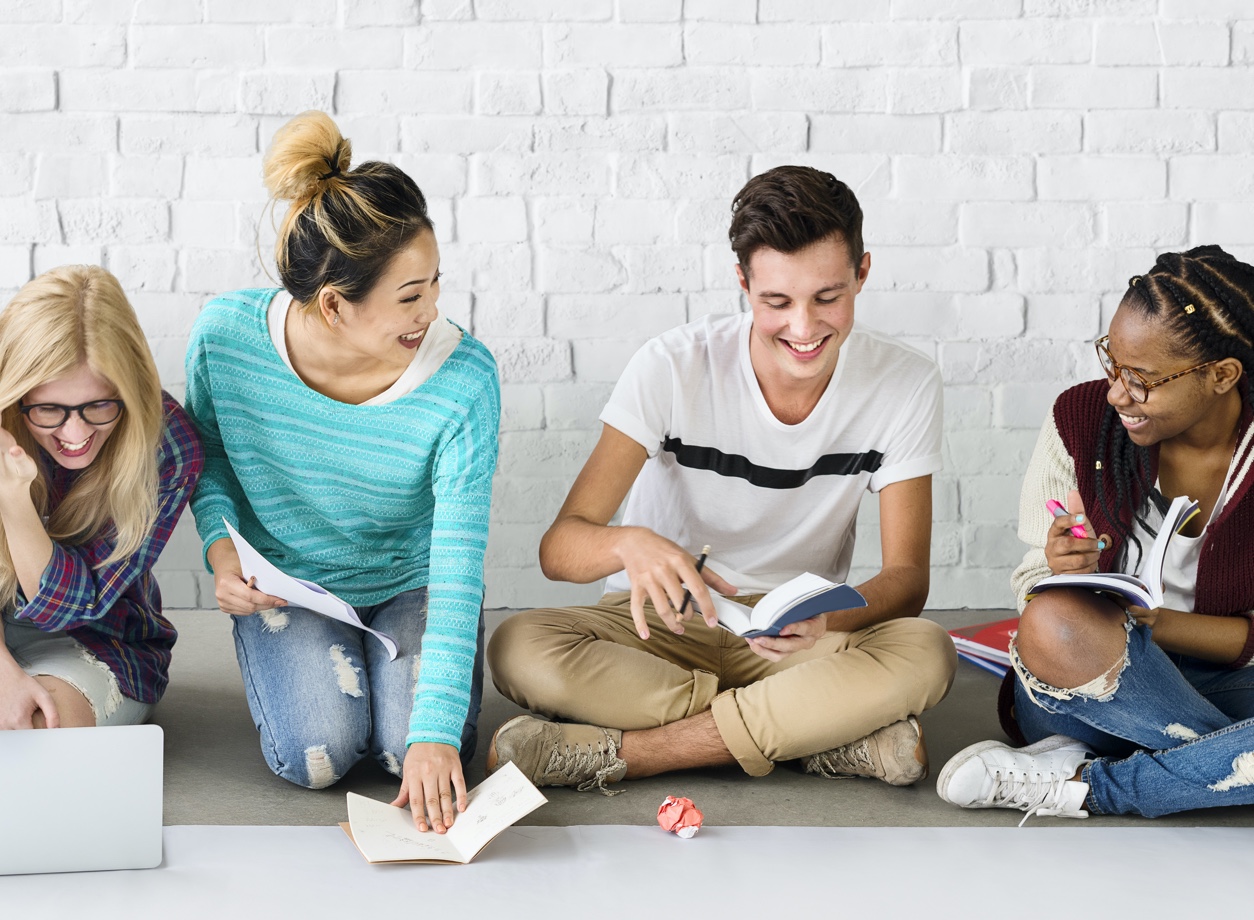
(368,501)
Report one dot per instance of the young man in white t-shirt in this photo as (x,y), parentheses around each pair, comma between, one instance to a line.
(757,434)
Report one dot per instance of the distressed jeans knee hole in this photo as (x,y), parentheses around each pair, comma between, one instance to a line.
(1100,689)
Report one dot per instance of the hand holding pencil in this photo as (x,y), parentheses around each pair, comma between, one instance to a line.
(683,608)
(665,578)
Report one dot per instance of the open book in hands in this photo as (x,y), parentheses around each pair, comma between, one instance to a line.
(800,599)
(1146,591)
(385,833)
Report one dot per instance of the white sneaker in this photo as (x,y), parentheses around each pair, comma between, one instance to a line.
(1035,779)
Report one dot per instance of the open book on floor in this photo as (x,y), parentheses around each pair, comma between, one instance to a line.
(1146,591)
(801,598)
(298,592)
(386,834)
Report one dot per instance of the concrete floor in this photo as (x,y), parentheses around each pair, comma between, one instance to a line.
(215,773)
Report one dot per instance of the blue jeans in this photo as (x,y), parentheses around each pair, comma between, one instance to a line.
(324,694)
(1173,733)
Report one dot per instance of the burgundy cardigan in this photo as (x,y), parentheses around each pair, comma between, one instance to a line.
(1225,568)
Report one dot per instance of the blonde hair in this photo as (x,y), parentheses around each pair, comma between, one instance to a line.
(343,226)
(66,317)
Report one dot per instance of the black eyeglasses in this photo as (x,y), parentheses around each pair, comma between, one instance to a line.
(54,415)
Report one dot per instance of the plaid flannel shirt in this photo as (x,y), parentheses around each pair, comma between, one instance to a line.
(114,610)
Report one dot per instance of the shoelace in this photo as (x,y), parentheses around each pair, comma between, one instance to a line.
(1018,790)
(578,761)
(851,759)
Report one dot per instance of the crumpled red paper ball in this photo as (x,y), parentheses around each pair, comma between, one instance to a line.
(679,816)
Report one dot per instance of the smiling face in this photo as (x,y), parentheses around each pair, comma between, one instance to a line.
(1143,344)
(75,443)
(390,322)
(802,306)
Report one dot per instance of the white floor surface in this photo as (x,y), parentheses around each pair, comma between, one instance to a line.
(726,872)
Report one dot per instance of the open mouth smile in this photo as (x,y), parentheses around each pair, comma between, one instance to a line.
(807,350)
(74,450)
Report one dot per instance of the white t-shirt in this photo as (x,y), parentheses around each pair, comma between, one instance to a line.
(439,342)
(772,500)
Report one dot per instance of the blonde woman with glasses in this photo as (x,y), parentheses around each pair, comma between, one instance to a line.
(1130,710)
(96,464)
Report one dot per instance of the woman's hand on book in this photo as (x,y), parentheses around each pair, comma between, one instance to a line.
(1068,555)
(235,595)
(793,638)
(431,782)
(659,569)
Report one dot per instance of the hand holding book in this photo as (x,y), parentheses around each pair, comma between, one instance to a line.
(802,598)
(1146,591)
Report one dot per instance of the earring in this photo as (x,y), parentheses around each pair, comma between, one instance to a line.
(335,319)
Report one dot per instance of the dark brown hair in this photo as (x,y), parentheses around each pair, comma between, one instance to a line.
(343,226)
(790,207)
(1204,299)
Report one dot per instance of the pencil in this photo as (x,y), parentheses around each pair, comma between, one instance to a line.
(705,551)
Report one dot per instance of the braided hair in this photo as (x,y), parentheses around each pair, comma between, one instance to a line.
(1205,300)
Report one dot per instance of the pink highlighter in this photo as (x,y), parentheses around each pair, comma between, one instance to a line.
(1058,510)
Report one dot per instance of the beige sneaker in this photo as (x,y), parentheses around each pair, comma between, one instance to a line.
(895,754)
(559,753)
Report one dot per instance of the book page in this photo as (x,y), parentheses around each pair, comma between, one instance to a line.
(385,833)
(732,616)
(1128,586)
(298,592)
(1182,508)
(779,598)
(788,595)
(492,806)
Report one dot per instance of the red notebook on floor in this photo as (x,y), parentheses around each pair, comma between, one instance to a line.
(990,641)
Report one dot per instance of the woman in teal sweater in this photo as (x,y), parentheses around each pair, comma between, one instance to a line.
(350,435)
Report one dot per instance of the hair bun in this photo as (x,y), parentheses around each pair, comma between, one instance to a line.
(305,154)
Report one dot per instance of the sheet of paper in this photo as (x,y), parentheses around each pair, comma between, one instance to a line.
(493,805)
(297,591)
(384,833)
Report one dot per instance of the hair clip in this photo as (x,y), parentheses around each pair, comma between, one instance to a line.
(1135,280)
(1189,308)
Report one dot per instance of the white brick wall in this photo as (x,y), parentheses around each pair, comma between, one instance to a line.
(1018,160)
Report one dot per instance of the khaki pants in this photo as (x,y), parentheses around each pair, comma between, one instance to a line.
(587,664)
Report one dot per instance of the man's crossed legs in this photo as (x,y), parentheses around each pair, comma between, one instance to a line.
(704,698)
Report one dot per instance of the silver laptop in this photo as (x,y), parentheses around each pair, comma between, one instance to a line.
(80,799)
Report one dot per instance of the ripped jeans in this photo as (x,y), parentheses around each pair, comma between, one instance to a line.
(1175,734)
(323,694)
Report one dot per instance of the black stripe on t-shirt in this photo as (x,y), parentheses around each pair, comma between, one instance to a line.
(713,459)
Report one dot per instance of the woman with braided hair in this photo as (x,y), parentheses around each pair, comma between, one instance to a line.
(1132,710)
